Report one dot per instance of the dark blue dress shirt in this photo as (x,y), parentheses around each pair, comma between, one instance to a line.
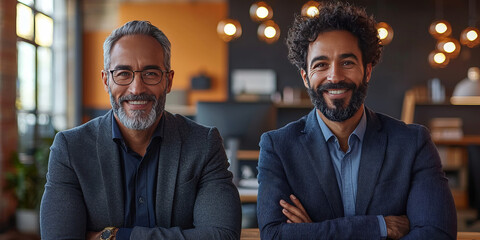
(140,174)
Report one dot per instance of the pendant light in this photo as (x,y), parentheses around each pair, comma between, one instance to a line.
(260,11)
(470,37)
(440,28)
(229,29)
(268,31)
(438,59)
(311,9)
(450,46)
(385,33)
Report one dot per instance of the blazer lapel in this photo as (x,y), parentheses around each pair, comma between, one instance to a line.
(167,171)
(319,157)
(373,154)
(109,159)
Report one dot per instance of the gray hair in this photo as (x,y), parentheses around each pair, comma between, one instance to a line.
(134,28)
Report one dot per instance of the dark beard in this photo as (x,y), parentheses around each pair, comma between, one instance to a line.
(340,112)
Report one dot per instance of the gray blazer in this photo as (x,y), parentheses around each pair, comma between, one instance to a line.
(195,197)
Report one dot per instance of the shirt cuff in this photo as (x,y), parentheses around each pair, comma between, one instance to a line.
(123,233)
(383,226)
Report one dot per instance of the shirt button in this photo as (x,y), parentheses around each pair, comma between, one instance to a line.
(140,200)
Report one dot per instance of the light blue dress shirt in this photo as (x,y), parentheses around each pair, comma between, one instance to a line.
(346,166)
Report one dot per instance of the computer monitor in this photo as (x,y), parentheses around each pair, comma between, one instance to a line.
(245,121)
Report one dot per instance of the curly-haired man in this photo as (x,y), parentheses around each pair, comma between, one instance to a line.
(345,171)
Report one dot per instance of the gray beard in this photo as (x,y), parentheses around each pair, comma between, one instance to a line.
(139,119)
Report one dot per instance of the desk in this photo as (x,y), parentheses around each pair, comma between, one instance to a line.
(468,236)
(248,195)
(254,234)
(250,234)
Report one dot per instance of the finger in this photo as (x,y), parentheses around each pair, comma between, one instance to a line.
(294,210)
(292,217)
(297,203)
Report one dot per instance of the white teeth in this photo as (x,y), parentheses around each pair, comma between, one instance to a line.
(336,91)
(137,102)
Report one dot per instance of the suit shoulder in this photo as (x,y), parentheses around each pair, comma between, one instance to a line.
(399,127)
(89,128)
(290,130)
(188,127)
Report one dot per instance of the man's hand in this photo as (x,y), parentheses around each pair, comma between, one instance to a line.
(295,214)
(397,226)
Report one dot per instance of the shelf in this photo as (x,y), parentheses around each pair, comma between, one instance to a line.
(249,155)
(465,141)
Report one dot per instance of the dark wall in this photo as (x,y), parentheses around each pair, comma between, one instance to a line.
(404,63)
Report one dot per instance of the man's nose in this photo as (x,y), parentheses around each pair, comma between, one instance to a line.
(137,86)
(335,74)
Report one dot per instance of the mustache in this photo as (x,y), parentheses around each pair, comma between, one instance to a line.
(342,85)
(140,97)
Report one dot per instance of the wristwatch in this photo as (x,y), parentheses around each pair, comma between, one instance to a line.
(108,233)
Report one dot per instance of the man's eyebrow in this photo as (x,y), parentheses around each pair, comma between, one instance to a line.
(348,55)
(122,67)
(152,67)
(127,67)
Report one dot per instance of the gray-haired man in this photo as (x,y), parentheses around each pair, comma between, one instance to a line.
(139,172)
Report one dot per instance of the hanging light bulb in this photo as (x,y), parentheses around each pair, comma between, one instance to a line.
(311,9)
(440,29)
(229,29)
(470,37)
(385,33)
(261,11)
(438,59)
(449,46)
(268,31)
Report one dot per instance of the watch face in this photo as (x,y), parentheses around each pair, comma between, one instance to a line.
(106,234)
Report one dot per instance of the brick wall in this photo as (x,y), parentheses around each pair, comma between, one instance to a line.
(8,76)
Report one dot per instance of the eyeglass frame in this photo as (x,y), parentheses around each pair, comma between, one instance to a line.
(141,75)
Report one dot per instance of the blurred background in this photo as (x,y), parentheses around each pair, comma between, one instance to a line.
(231,71)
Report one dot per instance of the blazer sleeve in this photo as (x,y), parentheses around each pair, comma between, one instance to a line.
(430,207)
(217,211)
(62,210)
(274,186)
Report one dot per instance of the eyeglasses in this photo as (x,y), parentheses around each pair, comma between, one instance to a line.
(124,77)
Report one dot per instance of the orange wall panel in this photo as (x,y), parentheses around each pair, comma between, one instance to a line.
(94,95)
(196,48)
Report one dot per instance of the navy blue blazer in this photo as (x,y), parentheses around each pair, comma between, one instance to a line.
(400,174)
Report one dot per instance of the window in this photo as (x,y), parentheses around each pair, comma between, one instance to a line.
(35,82)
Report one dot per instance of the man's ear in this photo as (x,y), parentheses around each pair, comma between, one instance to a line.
(303,73)
(170,80)
(105,80)
(368,72)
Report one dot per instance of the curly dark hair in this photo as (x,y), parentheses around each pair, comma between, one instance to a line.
(334,16)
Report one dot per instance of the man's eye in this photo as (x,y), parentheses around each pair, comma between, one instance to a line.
(320,65)
(151,73)
(123,73)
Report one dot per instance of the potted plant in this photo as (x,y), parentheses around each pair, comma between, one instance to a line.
(27,180)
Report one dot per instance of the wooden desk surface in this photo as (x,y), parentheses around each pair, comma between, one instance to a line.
(468,236)
(250,234)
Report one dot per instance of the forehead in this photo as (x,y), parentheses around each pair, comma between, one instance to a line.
(133,49)
(334,43)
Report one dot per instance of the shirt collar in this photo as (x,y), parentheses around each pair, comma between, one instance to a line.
(117,135)
(359,130)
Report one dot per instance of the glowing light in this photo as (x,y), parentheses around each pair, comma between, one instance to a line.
(439,58)
(229,29)
(312,11)
(472,35)
(441,28)
(449,47)
(270,32)
(382,33)
(262,12)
